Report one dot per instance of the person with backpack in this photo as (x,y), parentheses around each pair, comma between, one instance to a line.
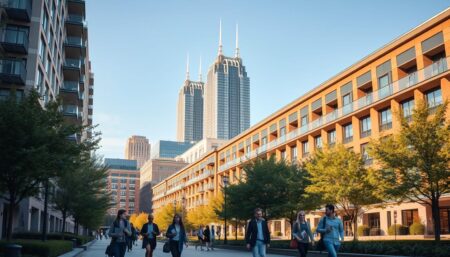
(177,236)
(118,232)
(149,233)
(301,231)
(332,231)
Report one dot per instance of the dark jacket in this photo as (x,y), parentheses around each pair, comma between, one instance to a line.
(183,237)
(146,240)
(207,235)
(252,232)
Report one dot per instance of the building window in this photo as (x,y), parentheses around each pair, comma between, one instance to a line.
(383,81)
(42,49)
(318,142)
(39,81)
(366,126)
(123,193)
(346,103)
(374,220)
(305,149)
(304,120)
(365,155)
(407,109)
(348,133)
(385,119)
(389,219)
(283,154)
(282,131)
(409,217)
(294,153)
(44,21)
(114,186)
(434,98)
(263,140)
(332,137)
(445,224)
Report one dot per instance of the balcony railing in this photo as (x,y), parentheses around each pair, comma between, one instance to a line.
(17,9)
(386,126)
(74,41)
(76,19)
(14,40)
(72,63)
(71,86)
(366,133)
(13,71)
(412,79)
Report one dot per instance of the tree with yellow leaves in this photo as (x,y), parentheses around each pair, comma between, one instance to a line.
(164,216)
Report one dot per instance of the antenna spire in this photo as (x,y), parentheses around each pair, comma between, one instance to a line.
(220,38)
(187,67)
(237,55)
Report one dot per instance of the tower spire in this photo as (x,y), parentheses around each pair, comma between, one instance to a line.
(237,42)
(200,70)
(220,38)
(187,67)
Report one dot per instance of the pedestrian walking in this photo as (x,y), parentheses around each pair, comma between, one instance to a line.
(118,232)
(332,231)
(301,231)
(200,238)
(219,231)
(207,237)
(177,236)
(257,235)
(149,233)
(130,238)
(213,237)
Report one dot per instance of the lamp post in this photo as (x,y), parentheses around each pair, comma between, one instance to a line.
(174,207)
(183,205)
(225,184)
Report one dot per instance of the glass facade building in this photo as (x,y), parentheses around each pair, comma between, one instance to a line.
(190,112)
(169,149)
(121,164)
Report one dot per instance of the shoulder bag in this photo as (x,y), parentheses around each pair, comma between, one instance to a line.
(321,244)
(294,242)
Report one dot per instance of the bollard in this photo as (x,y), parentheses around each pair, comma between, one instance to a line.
(74,243)
(13,250)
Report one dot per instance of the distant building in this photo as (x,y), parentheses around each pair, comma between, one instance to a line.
(169,149)
(137,148)
(123,183)
(198,150)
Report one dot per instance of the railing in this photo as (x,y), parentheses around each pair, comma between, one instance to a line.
(74,41)
(17,4)
(13,68)
(12,36)
(412,79)
(75,19)
(72,63)
(70,86)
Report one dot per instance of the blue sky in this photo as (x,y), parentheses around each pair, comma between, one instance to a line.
(138,52)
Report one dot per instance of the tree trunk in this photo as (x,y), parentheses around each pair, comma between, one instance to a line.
(236,229)
(44,224)
(64,214)
(11,207)
(355,227)
(436,219)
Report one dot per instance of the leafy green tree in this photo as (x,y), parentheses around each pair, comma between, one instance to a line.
(416,160)
(34,148)
(339,176)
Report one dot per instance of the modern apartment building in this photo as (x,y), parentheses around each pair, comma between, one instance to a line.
(44,46)
(169,149)
(137,148)
(123,183)
(226,96)
(200,149)
(190,109)
(350,108)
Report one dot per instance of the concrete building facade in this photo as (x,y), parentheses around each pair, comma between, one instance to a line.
(123,184)
(350,108)
(137,148)
(200,149)
(44,46)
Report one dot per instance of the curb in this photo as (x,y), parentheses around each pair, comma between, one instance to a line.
(78,250)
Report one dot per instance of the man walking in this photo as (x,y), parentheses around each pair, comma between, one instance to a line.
(258,236)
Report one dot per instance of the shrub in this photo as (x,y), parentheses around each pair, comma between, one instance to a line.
(417,228)
(399,229)
(81,240)
(51,248)
(363,230)
(375,232)
(278,233)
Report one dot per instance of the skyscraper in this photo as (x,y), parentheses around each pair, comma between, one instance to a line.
(226,96)
(137,148)
(190,109)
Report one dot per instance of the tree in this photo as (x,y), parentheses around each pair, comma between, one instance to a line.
(339,176)
(418,158)
(139,220)
(164,216)
(33,141)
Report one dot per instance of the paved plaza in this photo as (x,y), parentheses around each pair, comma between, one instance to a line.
(98,250)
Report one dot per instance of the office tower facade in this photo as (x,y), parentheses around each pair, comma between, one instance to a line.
(169,149)
(137,148)
(123,184)
(352,108)
(44,46)
(190,109)
(226,96)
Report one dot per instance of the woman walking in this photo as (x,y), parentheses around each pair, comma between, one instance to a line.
(332,231)
(149,233)
(177,236)
(207,237)
(301,231)
(118,232)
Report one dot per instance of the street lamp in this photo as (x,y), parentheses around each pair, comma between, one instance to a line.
(174,207)
(225,184)
(183,205)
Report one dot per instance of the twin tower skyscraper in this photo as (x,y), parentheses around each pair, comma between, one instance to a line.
(219,108)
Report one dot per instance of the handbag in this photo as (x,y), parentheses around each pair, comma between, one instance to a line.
(109,251)
(294,243)
(166,247)
(321,245)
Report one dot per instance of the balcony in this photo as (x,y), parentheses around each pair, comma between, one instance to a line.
(398,86)
(13,71)
(386,126)
(73,64)
(365,133)
(76,20)
(70,86)
(74,42)
(70,110)
(17,9)
(15,41)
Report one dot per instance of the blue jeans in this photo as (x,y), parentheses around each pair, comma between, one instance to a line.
(259,250)
(332,248)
